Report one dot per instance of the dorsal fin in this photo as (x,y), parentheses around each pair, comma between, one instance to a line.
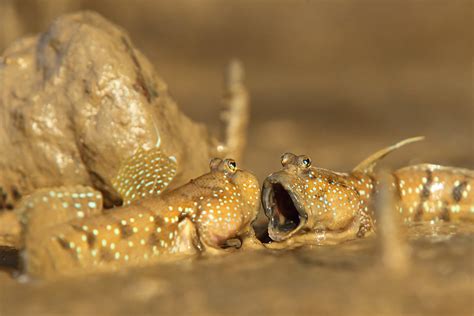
(367,166)
(146,173)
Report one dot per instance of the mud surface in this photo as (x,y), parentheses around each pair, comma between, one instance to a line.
(342,280)
(87,101)
(336,81)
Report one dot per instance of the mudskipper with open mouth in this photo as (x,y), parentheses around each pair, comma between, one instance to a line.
(306,204)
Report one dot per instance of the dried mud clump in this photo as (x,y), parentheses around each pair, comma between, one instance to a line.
(79,99)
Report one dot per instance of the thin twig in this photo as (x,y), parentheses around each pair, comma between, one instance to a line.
(236,115)
(393,247)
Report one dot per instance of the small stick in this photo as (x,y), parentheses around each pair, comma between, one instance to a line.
(393,247)
(236,115)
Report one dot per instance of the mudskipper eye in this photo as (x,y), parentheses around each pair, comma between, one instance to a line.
(305,161)
(232,165)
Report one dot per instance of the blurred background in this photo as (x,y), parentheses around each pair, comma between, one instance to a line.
(336,80)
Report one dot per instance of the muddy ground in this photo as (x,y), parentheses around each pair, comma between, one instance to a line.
(334,80)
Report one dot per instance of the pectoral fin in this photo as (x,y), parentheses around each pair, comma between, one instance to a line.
(147,173)
(367,166)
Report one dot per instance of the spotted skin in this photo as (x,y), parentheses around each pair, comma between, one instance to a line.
(199,216)
(433,193)
(145,174)
(58,205)
(313,204)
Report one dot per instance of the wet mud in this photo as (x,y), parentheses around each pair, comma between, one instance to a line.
(346,279)
(333,82)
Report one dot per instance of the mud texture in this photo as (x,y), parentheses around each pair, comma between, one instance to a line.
(333,80)
(335,280)
(79,99)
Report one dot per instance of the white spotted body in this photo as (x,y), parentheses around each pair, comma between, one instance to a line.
(304,202)
(200,215)
(435,193)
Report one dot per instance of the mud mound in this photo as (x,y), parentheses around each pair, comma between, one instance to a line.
(86,101)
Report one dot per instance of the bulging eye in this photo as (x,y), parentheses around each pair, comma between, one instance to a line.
(305,161)
(287,158)
(231,164)
(226,165)
(215,163)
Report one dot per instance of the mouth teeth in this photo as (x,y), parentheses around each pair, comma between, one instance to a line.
(281,208)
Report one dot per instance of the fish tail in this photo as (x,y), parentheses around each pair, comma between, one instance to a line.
(46,208)
(42,214)
(129,236)
(429,192)
(49,252)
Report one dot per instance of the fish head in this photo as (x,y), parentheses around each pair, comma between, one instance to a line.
(240,186)
(300,198)
(232,204)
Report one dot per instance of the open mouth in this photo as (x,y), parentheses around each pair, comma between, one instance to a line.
(282,209)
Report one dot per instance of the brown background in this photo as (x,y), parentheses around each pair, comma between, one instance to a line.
(332,79)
